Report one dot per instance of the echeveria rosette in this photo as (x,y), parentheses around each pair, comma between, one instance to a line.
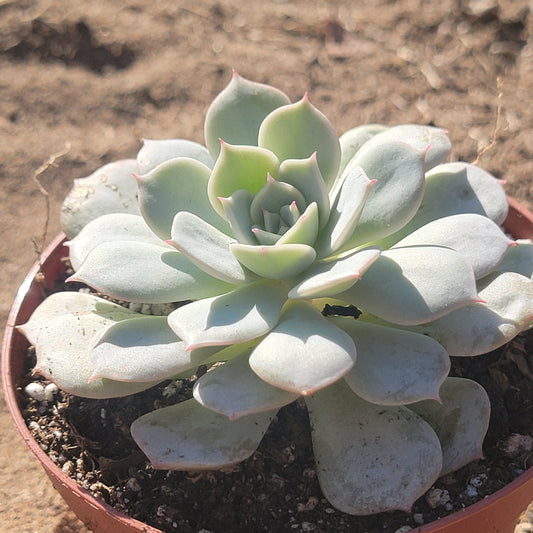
(276,218)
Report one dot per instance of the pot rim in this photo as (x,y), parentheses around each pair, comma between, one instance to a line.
(519,222)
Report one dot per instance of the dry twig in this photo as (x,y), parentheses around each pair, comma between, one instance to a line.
(51,162)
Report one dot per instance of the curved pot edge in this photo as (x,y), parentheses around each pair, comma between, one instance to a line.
(517,494)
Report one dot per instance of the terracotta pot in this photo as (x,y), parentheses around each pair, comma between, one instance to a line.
(497,513)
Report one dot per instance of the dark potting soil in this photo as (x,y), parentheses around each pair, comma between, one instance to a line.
(276,489)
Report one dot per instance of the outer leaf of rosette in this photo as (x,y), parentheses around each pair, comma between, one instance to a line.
(154,152)
(176,185)
(398,169)
(234,390)
(243,314)
(479,328)
(208,248)
(348,199)
(66,303)
(414,285)
(305,175)
(353,139)
(371,458)
(281,261)
(394,366)
(519,259)
(433,141)
(482,243)
(240,167)
(304,352)
(143,349)
(236,114)
(452,189)
(461,421)
(63,354)
(297,131)
(146,273)
(327,278)
(109,228)
(188,436)
(110,189)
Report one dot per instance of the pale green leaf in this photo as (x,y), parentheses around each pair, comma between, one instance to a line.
(110,189)
(239,316)
(234,390)
(240,167)
(237,211)
(188,436)
(333,277)
(352,140)
(477,238)
(305,175)
(433,141)
(64,303)
(414,285)
(63,354)
(109,228)
(176,185)
(296,131)
(304,352)
(142,349)
(274,261)
(371,458)
(207,247)
(460,421)
(155,152)
(519,258)
(236,114)
(394,367)
(347,203)
(479,328)
(453,189)
(146,273)
(305,230)
(398,169)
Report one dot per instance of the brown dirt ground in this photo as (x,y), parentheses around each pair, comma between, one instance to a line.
(98,76)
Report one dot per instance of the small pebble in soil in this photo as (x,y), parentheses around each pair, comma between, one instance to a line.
(435,497)
(418,518)
(470,491)
(403,529)
(517,444)
(36,391)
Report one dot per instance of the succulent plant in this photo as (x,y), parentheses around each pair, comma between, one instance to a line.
(270,234)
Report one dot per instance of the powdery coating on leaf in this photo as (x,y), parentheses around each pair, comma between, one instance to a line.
(370,458)
(142,349)
(236,114)
(65,303)
(188,436)
(481,242)
(110,189)
(394,367)
(404,287)
(109,228)
(63,355)
(154,152)
(234,390)
(239,316)
(304,352)
(146,273)
(176,185)
(460,421)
